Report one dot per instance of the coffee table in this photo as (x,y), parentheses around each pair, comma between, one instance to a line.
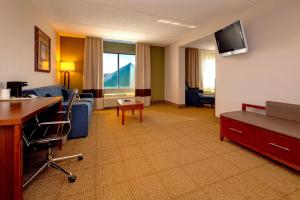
(129,104)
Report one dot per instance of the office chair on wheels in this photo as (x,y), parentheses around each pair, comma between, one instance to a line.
(49,134)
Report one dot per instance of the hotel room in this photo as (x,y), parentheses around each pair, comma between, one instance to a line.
(136,100)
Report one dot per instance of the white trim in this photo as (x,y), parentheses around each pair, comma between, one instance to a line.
(230,53)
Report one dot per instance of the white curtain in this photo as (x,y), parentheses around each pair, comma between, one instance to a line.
(207,70)
(93,69)
(143,73)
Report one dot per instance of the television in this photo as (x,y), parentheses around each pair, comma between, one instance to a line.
(231,40)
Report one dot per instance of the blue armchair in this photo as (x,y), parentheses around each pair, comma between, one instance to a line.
(195,97)
(81,110)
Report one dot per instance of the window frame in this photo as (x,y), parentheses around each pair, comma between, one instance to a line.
(118,80)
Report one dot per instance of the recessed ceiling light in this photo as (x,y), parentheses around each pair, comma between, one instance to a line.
(175,23)
(164,21)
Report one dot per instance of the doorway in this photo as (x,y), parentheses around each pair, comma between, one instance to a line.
(200,72)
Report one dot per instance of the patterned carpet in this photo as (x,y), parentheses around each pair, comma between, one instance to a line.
(173,154)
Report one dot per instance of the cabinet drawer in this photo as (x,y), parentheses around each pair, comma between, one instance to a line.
(238,132)
(279,146)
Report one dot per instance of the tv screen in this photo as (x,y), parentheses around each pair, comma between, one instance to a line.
(231,39)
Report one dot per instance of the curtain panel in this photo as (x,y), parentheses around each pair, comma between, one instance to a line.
(192,67)
(93,66)
(208,69)
(143,73)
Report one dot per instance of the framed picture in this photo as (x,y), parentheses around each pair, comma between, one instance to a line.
(42,51)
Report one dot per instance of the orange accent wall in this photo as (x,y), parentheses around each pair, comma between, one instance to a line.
(72,50)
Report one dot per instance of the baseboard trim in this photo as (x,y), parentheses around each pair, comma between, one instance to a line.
(98,109)
(153,102)
(217,119)
(181,106)
(110,107)
(175,105)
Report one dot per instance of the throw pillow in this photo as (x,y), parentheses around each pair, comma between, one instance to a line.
(67,94)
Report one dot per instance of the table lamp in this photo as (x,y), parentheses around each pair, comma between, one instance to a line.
(67,67)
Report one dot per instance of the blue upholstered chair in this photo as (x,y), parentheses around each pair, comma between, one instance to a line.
(195,97)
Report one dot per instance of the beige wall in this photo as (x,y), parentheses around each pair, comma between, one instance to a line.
(72,50)
(17,20)
(267,72)
(174,74)
(157,56)
(270,71)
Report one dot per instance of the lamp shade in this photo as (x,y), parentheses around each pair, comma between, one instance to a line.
(67,66)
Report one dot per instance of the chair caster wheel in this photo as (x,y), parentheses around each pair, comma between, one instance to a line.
(80,158)
(72,178)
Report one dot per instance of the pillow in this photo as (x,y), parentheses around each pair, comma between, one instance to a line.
(67,94)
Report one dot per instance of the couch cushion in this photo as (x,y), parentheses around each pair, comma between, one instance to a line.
(207,97)
(278,125)
(48,95)
(81,115)
(87,100)
(54,90)
(67,94)
(283,110)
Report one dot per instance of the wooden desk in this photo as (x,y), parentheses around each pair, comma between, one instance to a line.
(13,114)
(129,105)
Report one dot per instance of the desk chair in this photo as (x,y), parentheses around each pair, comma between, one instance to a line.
(51,134)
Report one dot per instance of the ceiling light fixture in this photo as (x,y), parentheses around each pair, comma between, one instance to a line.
(164,21)
(176,23)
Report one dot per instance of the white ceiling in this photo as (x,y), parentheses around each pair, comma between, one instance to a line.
(206,43)
(134,20)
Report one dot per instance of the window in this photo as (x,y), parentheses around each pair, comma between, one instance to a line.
(110,70)
(118,70)
(208,65)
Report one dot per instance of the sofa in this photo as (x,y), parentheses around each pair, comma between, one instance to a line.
(81,110)
(275,134)
(195,97)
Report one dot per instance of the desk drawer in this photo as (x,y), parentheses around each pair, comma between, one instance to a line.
(278,146)
(238,132)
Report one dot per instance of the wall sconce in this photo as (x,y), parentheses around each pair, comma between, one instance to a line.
(67,67)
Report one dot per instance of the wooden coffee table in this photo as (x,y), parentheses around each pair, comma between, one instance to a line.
(129,104)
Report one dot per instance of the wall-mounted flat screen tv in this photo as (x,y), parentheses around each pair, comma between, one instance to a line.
(231,39)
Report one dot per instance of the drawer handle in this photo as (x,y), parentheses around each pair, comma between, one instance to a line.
(278,146)
(235,130)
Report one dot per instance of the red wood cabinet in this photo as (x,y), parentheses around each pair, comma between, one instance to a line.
(279,147)
(238,131)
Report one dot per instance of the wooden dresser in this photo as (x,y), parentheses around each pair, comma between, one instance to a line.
(13,114)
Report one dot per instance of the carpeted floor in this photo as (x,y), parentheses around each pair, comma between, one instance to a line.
(173,154)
